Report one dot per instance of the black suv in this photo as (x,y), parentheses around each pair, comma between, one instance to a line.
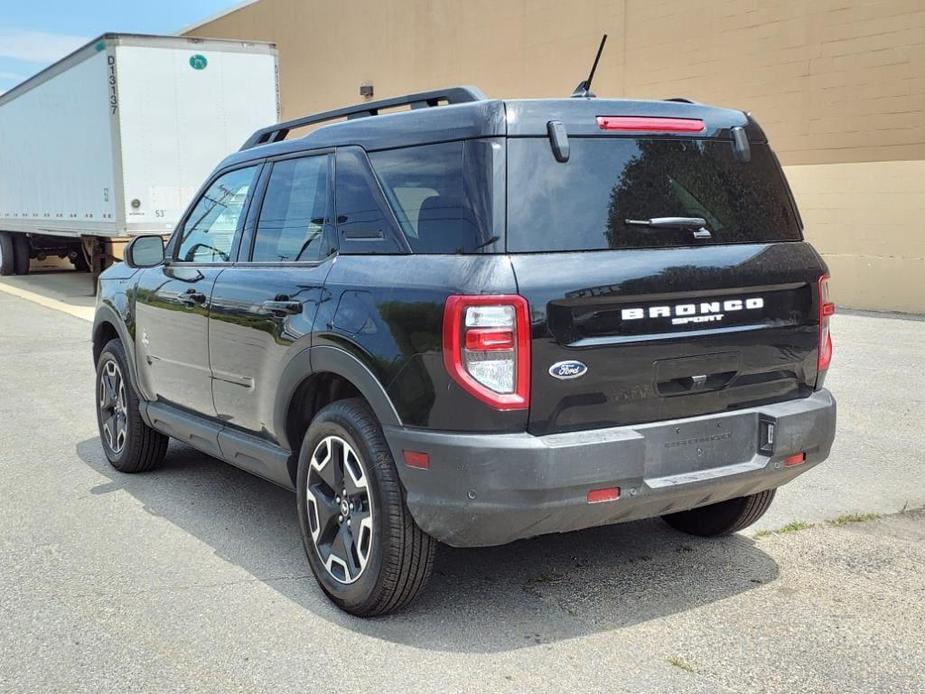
(472,321)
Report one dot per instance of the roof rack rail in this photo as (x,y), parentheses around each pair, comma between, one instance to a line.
(451,95)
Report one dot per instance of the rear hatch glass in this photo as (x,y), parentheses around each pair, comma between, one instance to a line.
(584,203)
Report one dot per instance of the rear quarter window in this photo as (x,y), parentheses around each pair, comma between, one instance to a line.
(446,196)
(583,204)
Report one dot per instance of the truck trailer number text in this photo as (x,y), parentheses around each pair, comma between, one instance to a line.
(113,89)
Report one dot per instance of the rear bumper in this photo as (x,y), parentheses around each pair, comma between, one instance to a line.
(489,489)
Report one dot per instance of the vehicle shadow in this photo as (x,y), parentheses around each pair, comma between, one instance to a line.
(478,600)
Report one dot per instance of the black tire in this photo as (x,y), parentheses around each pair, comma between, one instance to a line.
(21,254)
(139,448)
(7,254)
(724,518)
(399,555)
(79,261)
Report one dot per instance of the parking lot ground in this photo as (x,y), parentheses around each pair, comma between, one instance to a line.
(61,289)
(192,578)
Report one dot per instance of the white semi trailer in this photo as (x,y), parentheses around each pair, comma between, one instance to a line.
(113,140)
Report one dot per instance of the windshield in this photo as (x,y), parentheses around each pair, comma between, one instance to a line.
(584,204)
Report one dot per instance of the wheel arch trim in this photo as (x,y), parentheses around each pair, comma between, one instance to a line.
(329,359)
(106,314)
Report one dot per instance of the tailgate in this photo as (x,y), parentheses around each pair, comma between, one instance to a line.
(626,337)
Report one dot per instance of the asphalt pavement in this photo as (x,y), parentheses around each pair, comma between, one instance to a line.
(192,577)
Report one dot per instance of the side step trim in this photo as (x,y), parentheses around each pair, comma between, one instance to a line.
(245,451)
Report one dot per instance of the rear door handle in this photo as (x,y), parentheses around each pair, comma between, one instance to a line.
(282,308)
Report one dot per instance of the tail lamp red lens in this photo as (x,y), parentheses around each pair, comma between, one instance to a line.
(651,124)
(486,348)
(488,339)
(826,310)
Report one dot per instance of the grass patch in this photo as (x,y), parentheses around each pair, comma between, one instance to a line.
(793,527)
(681,663)
(850,518)
(796,526)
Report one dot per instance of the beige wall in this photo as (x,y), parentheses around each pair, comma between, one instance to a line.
(867,219)
(839,85)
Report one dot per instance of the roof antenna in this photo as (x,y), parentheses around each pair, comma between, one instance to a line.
(583,90)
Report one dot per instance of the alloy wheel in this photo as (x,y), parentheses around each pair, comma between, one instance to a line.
(113,407)
(339,508)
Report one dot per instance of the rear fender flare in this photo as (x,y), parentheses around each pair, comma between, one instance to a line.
(327,359)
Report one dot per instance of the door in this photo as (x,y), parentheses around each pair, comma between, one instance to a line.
(172,304)
(264,306)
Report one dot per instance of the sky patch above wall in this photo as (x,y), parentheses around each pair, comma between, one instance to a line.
(35,34)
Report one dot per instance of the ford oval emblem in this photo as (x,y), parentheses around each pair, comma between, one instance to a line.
(564,370)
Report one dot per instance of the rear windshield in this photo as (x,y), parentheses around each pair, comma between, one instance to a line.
(583,204)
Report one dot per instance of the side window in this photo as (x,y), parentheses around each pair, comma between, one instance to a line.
(363,221)
(207,235)
(291,226)
(443,194)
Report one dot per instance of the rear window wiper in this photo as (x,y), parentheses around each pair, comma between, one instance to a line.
(697,224)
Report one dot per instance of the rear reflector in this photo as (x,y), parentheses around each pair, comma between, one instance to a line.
(650,124)
(599,496)
(794,459)
(417,460)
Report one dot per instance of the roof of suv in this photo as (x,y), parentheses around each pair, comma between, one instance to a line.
(481,117)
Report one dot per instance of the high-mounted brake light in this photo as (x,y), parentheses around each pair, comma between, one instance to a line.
(486,348)
(651,124)
(826,310)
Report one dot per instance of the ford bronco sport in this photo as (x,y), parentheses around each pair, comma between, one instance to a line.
(474,320)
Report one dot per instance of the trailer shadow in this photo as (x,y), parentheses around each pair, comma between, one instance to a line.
(478,600)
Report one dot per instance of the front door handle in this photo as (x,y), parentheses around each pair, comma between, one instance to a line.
(192,296)
(282,308)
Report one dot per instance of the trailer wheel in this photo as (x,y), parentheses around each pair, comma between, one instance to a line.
(21,252)
(80,260)
(6,254)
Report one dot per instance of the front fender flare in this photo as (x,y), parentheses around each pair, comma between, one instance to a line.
(107,314)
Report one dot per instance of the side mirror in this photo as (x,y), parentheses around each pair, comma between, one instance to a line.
(144,251)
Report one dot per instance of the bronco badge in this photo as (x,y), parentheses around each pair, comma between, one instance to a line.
(564,370)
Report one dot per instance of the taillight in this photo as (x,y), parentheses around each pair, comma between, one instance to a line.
(486,348)
(650,124)
(826,310)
